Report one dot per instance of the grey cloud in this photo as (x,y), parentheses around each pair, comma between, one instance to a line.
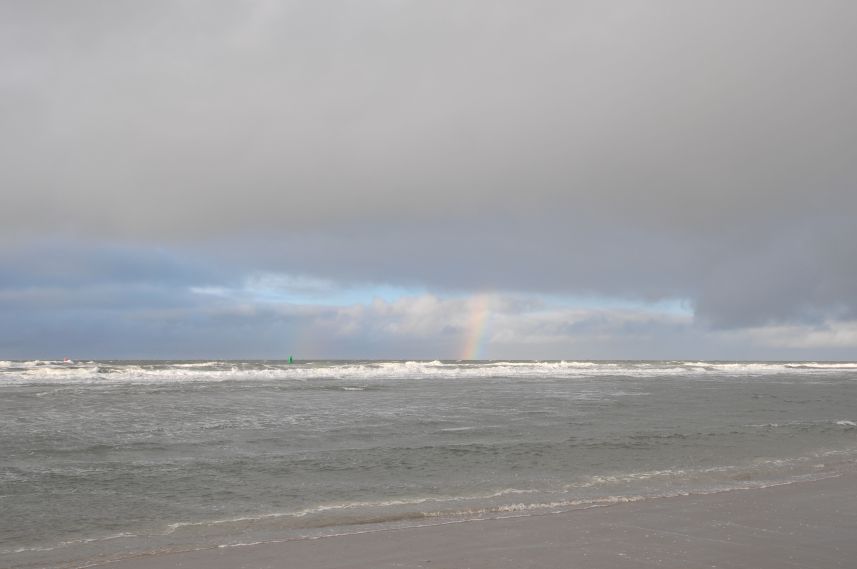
(70,263)
(123,320)
(800,269)
(665,149)
(192,118)
(805,272)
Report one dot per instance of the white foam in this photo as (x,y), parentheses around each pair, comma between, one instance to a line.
(197,364)
(828,365)
(841,423)
(68,543)
(36,371)
(347,506)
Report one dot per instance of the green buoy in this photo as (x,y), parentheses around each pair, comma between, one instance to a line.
(291,360)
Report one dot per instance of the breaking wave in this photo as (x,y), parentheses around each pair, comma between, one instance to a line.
(53,371)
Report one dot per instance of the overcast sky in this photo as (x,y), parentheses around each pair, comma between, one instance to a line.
(396,179)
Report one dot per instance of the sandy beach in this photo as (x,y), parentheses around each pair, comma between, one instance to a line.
(805,524)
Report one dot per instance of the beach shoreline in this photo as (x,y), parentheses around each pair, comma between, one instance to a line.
(801,524)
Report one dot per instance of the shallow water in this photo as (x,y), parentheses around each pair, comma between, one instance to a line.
(105,459)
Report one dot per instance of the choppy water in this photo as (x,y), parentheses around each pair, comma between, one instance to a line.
(100,460)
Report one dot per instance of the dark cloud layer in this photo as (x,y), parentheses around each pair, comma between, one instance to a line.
(642,150)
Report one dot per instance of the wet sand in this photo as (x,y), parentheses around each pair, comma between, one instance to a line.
(810,525)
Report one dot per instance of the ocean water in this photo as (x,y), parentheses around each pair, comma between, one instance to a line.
(102,460)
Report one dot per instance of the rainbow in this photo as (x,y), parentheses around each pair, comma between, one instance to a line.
(474,335)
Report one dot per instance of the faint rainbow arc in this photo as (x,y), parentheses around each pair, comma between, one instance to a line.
(474,336)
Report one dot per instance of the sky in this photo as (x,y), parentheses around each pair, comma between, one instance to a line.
(409,179)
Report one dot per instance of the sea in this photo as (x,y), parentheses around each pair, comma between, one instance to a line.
(103,460)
